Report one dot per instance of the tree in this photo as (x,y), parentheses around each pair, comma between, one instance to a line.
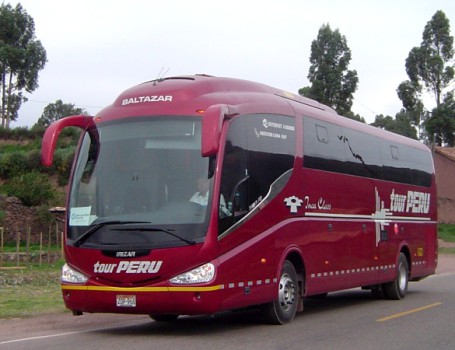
(440,127)
(21,58)
(400,125)
(58,110)
(409,92)
(413,109)
(332,83)
(430,66)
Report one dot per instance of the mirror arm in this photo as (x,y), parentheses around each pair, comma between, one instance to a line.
(53,131)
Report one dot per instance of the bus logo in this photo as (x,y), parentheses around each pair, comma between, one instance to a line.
(145,99)
(128,267)
(413,202)
(294,203)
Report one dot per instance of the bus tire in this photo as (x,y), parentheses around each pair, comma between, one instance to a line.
(398,288)
(284,308)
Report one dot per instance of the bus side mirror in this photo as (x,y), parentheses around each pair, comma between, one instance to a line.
(53,131)
(212,121)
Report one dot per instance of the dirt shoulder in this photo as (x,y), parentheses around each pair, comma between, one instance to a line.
(446,263)
(444,244)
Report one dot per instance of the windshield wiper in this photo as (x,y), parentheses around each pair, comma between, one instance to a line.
(97,226)
(156,229)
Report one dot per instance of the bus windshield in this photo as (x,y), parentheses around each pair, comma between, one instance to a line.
(140,182)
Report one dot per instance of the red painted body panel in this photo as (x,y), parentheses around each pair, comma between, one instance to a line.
(334,232)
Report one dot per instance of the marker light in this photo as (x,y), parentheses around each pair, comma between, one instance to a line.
(202,274)
(72,276)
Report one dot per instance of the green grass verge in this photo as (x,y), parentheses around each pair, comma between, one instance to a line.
(31,290)
(33,248)
(446,250)
(446,232)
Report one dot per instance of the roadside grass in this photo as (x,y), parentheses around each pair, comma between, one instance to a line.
(444,250)
(31,290)
(446,232)
(32,248)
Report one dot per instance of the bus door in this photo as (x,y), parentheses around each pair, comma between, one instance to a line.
(257,164)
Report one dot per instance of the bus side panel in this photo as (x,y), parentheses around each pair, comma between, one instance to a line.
(340,238)
(431,234)
(248,270)
(337,258)
(357,226)
(410,226)
(423,249)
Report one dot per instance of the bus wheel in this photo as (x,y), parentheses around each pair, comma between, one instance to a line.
(164,318)
(283,309)
(398,288)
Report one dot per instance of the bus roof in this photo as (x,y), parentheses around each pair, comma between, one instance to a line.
(193,94)
(184,93)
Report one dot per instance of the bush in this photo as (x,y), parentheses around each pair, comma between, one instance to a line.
(13,164)
(19,133)
(20,162)
(31,188)
(34,160)
(38,131)
(63,160)
(71,133)
(44,215)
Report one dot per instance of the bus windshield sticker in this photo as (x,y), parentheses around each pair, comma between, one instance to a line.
(279,130)
(81,216)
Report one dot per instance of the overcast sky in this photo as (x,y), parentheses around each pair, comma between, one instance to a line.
(96,48)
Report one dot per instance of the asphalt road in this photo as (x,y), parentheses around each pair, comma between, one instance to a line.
(350,319)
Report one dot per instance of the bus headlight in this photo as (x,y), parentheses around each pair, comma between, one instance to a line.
(72,276)
(202,274)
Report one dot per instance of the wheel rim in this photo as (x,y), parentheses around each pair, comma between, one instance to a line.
(402,278)
(286,292)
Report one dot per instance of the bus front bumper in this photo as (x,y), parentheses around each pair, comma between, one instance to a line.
(178,300)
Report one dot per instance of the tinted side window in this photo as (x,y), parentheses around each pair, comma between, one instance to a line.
(396,166)
(259,149)
(362,152)
(422,164)
(271,145)
(332,148)
(322,148)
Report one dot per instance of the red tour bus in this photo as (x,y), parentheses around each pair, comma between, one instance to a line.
(196,194)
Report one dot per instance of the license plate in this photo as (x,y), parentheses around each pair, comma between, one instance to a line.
(126,300)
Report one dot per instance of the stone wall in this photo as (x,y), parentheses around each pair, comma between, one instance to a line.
(444,161)
(17,220)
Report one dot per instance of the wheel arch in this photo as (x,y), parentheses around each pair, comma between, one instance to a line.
(405,250)
(294,255)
